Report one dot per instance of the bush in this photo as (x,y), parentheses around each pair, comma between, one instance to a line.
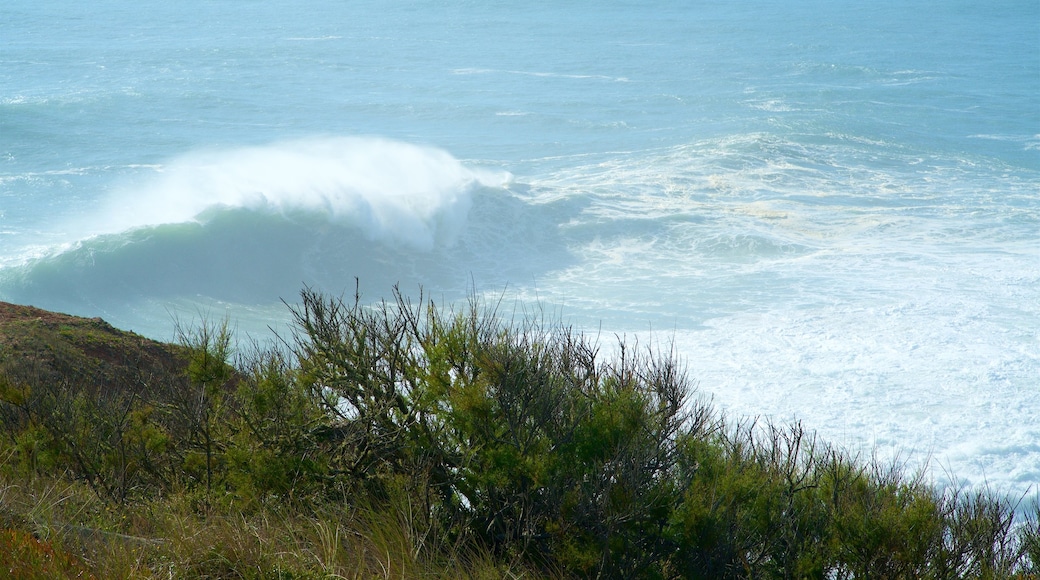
(528,444)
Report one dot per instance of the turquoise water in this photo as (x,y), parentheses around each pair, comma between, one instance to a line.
(832,209)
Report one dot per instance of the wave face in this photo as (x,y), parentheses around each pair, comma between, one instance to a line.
(831,210)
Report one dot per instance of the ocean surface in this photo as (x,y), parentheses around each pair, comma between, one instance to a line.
(831,209)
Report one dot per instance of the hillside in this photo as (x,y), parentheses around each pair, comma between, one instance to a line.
(409,441)
(50,346)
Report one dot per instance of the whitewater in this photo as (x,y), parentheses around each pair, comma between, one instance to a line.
(830,210)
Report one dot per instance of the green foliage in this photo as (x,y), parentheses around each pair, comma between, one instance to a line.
(356,364)
(399,438)
(276,451)
(200,406)
(531,447)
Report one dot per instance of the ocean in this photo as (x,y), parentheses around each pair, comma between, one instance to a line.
(831,210)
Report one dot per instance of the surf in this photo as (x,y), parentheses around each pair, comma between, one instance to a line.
(395,192)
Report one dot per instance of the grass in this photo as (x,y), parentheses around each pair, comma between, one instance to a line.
(57,529)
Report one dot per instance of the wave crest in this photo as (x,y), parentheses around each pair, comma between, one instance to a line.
(393,192)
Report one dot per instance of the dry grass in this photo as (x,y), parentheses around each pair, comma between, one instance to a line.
(57,529)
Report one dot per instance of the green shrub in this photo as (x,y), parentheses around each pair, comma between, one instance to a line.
(276,451)
(530,445)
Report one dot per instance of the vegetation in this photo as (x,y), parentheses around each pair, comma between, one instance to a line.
(405,441)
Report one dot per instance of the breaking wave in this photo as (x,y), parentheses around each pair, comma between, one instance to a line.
(390,191)
(253,224)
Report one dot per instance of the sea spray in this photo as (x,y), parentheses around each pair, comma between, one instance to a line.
(393,192)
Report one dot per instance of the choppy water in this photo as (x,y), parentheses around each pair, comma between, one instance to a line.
(832,209)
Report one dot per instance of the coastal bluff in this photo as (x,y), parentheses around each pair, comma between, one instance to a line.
(40,344)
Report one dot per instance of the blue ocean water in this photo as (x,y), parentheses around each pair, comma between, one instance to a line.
(832,209)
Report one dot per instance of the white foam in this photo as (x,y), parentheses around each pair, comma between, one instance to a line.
(542,74)
(313,38)
(893,306)
(395,192)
